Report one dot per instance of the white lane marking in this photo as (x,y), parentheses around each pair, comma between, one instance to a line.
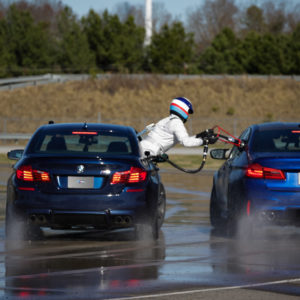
(253,285)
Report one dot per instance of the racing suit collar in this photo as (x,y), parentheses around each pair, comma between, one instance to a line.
(174,115)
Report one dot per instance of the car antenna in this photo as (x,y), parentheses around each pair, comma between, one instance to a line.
(51,122)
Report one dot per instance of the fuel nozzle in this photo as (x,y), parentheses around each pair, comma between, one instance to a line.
(226,137)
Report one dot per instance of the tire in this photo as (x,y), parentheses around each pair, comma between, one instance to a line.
(150,230)
(216,219)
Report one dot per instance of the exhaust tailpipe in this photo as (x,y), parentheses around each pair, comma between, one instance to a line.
(127,220)
(33,218)
(118,220)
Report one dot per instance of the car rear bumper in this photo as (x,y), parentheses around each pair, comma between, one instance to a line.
(56,219)
(70,211)
(273,205)
(279,216)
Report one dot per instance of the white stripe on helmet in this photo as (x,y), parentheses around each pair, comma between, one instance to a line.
(181,104)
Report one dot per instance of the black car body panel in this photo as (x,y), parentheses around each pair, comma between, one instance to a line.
(97,179)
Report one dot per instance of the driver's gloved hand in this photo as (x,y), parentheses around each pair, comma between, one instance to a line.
(205,134)
(208,135)
(212,139)
(162,158)
(159,158)
(165,156)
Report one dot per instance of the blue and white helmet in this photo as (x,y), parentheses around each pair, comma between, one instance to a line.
(181,107)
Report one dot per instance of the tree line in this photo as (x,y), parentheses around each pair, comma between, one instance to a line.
(219,38)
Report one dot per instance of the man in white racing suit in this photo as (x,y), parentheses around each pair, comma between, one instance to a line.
(171,130)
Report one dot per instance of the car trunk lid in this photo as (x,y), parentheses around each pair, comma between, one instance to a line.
(80,175)
(290,166)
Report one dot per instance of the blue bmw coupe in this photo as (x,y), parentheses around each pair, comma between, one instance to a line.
(260,180)
(83,176)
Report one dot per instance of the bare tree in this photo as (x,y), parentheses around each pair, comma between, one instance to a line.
(160,16)
(275,16)
(293,17)
(125,10)
(41,10)
(253,20)
(2,10)
(207,20)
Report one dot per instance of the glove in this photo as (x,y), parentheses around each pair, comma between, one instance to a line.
(205,134)
(161,158)
(213,139)
(208,136)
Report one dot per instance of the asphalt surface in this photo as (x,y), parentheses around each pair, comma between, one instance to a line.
(189,261)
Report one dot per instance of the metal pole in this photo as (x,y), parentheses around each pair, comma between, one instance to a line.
(148,22)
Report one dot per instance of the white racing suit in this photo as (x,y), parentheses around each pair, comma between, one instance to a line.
(167,133)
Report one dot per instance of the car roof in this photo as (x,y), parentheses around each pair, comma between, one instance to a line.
(276,125)
(107,129)
(87,126)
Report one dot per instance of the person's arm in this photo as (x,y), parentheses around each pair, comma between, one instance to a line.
(182,135)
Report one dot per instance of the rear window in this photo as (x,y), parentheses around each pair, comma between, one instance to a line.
(276,141)
(84,143)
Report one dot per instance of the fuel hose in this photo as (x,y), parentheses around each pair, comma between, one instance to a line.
(193,171)
(226,137)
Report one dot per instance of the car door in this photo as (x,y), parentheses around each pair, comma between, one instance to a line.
(234,174)
(227,174)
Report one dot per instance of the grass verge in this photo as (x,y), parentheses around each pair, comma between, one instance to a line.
(4,159)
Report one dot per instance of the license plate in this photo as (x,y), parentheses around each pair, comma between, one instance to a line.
(76,182)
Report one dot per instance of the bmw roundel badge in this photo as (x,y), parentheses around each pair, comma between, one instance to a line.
(80,169)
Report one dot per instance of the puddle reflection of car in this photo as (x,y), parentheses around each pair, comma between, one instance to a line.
(55,270)
(83,176)
(259,183)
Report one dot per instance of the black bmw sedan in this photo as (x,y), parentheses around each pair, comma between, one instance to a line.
(83,176)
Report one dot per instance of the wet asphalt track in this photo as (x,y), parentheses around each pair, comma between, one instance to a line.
(188,261)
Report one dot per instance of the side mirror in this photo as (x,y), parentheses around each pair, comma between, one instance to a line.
(15,154)
(219,153)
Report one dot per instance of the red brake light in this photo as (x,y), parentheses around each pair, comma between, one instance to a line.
(85,132)
(255,171)
(258,171)
(134,175)
(26,173)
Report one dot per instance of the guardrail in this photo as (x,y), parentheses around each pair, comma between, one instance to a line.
(19,82)
(15,136)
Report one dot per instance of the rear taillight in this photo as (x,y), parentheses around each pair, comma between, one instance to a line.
(26,173)
(134,175)
(258,171)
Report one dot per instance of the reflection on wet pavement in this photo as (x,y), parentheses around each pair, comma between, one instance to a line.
(188,255)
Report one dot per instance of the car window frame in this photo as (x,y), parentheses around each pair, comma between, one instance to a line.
(44,131)
(237,151)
